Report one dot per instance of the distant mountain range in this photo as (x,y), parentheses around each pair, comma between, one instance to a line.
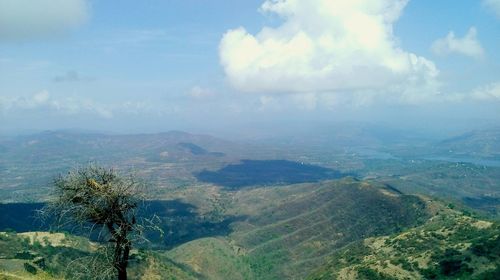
(479,143)
(28,163)
(173,159)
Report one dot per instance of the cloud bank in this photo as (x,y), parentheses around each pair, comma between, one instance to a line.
(468,45)
(28,19)
(488,92)
(44,101)
(326,46)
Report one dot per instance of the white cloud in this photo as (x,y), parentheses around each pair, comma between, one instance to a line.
(197,92)
(325,46)
(494,5)
(41,97)
(62,106)
(28,19)
(66,106)
(488,92)
(468,45)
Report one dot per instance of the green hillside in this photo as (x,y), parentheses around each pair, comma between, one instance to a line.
(450,245)
(290,230)
(213,258)
(345,229)
(293,232)
(45,255)
(476,186)
(40,255)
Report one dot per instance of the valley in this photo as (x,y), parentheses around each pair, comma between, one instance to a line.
(234,210)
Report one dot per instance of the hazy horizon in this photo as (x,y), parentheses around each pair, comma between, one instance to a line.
(238,69)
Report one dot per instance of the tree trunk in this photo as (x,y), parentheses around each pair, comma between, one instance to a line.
(118,263)
(122,252)
(122,265)
(122,273)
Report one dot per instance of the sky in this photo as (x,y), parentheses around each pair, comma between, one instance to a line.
(232,67)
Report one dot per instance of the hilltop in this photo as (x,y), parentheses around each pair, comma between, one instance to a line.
(450,245)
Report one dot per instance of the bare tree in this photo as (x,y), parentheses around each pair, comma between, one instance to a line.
(102,200)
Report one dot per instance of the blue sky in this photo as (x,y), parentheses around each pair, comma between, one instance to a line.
(204,66)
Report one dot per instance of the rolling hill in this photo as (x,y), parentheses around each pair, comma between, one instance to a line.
(251,211)
(450,245)
(317,230)
(28,163)
(477,143)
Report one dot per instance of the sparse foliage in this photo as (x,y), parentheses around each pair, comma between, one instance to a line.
(103,201)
